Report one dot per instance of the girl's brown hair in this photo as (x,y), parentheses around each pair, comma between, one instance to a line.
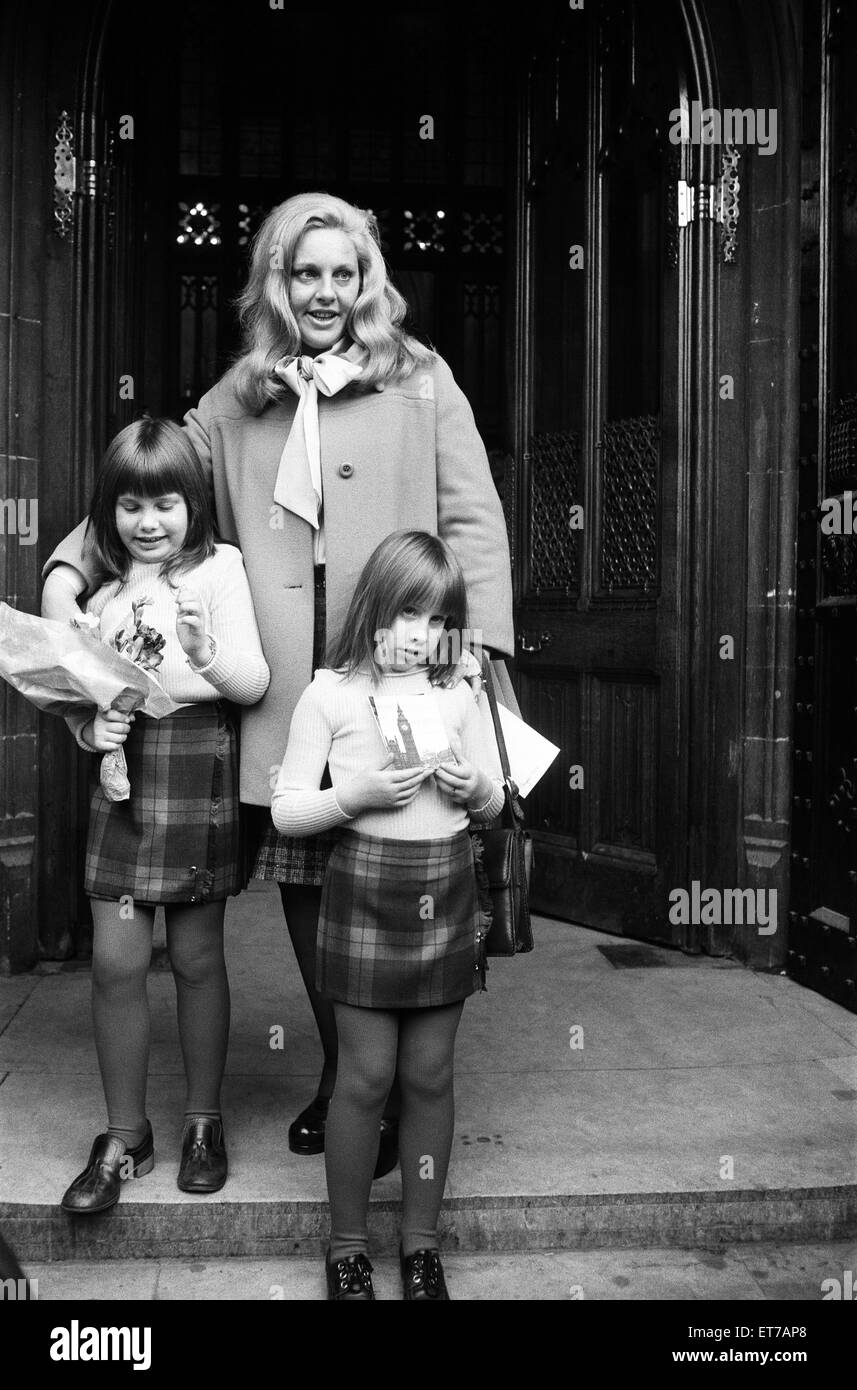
(408,569)
(150,458)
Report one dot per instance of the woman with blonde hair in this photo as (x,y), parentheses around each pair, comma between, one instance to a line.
(269,316)
(333,428)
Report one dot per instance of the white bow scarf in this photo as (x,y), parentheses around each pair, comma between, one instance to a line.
(298,485)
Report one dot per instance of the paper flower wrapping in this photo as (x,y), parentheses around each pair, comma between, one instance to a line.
(64,668)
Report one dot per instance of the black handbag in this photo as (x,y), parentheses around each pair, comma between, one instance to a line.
(506,854)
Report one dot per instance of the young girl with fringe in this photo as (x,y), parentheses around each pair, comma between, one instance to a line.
(175,840)
(403,918)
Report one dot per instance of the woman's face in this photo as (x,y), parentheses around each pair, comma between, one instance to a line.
(324,284)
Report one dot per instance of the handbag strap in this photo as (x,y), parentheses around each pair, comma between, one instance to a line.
(513,805)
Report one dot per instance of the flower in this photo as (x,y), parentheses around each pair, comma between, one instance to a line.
(141,643)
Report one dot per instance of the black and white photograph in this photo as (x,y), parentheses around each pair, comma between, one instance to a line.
(365,363)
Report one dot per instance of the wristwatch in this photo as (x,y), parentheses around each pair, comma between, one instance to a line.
(201,670)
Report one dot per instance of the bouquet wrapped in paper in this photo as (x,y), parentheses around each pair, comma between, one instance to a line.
(66,668)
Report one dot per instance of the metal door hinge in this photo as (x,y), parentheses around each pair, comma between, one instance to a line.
(89,180)
(714,202)
(686,201)
(701,200)
(65,177)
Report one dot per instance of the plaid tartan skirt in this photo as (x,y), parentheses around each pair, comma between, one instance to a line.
(284,858)
(176,840)
(401,924)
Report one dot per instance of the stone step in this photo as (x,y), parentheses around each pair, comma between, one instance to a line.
(596,1107)
(208,1229)
(745,1273)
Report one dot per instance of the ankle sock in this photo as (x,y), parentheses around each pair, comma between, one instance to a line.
(343,1246)
(131,1136)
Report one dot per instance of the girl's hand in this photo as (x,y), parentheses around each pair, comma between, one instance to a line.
(108,731)
(467,669)
(384,788)
(462,781)
(191,620)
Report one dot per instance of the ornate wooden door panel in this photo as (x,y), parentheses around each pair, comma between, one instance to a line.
(823,905)
(596,620)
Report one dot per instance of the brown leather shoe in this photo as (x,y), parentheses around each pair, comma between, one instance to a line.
(422,1276)
(97,1187)
(204,1164)
(349,1280)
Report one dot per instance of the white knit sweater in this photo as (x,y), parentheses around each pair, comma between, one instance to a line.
(333,723)
(238,670)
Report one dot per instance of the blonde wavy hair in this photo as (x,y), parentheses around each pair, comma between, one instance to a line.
(269,328)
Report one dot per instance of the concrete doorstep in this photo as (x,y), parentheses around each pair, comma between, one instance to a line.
(597,1106)
(745,1273)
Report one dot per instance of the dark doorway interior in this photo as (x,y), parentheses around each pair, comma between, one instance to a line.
(401,112)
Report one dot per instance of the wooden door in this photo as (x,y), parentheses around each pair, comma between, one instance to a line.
(598,668)
(823,904)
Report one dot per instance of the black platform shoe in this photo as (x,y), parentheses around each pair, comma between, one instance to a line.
(110,1162)
(204,1164)
(306,1133)
(422,1276)
(350,1279)
(388,1149)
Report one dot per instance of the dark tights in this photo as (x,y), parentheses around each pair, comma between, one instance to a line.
(301,903)
(121,953)
(374,1046)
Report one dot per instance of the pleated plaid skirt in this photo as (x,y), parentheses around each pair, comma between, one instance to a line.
(402,924)
(285,858)
(176,840)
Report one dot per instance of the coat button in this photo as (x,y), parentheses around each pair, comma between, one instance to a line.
(345,470)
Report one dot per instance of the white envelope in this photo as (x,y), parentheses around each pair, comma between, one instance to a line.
(530,753)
